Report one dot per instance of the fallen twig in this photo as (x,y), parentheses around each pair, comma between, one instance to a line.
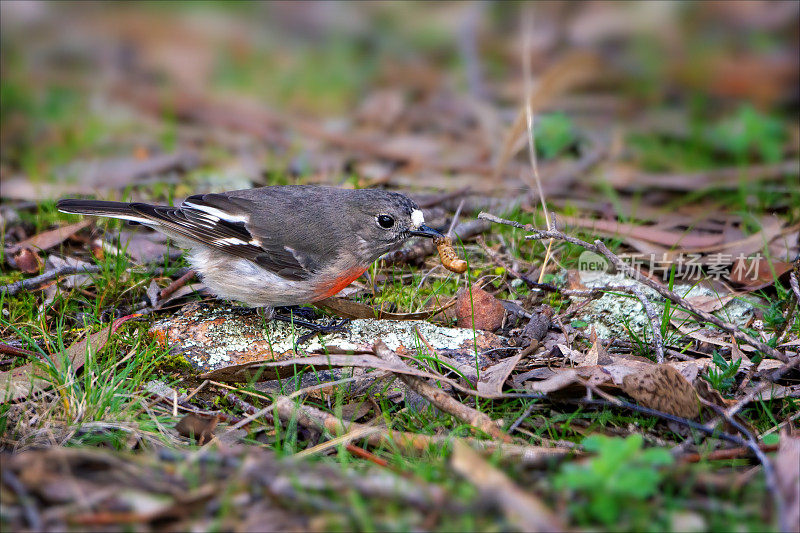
(175,285)
(658,342)
(18,352)
(441,399)
(766,465)
(600,248)
(29,509)
(438,199)
(726,454)
(314,418)
(774,376)
(793,305)
(522,509)
(33,283)
(720,178)
(795,286)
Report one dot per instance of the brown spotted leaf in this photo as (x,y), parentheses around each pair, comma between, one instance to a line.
(663,388)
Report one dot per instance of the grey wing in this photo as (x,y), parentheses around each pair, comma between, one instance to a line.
(222,222)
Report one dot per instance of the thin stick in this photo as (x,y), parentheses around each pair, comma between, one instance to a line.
(735,408)
(441,399)
(600,248)
(311,417)
(358,433)
(722,455)
(766,465)
(610,400)
(791,315)
(18,352)
(237,389)
(522,418)
(455,219)
(28,507)
(33,283)
(795,286)
(658,342)
(175,285)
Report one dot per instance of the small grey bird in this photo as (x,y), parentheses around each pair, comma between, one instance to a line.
(277,246)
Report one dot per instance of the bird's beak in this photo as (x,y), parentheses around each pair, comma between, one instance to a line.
(425,231)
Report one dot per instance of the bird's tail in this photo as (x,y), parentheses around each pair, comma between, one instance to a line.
(101,208)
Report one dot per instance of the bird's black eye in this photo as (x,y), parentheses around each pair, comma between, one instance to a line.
(385,221)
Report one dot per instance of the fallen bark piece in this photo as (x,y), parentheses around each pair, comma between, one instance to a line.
(537,326)
(448,255)
(492,379)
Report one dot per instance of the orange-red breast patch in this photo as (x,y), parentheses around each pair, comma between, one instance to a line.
(341,282)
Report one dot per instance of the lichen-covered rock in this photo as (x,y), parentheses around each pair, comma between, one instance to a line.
(217,337)
(614,315)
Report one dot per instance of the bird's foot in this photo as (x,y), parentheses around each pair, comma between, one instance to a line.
(316,329)
(305,313)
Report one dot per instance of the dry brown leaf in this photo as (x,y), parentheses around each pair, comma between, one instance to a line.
(143,246)
(48,239)
(645,233)
(597,354)
(561,380)
(29,378)
(492,379)
(523,510)
(102,175)
(628,177)
(663,388)
(771,227)
(759,275)
(28,261)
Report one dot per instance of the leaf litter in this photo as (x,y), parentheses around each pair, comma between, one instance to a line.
(544,349)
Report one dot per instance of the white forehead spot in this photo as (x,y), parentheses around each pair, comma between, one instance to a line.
(416,218)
